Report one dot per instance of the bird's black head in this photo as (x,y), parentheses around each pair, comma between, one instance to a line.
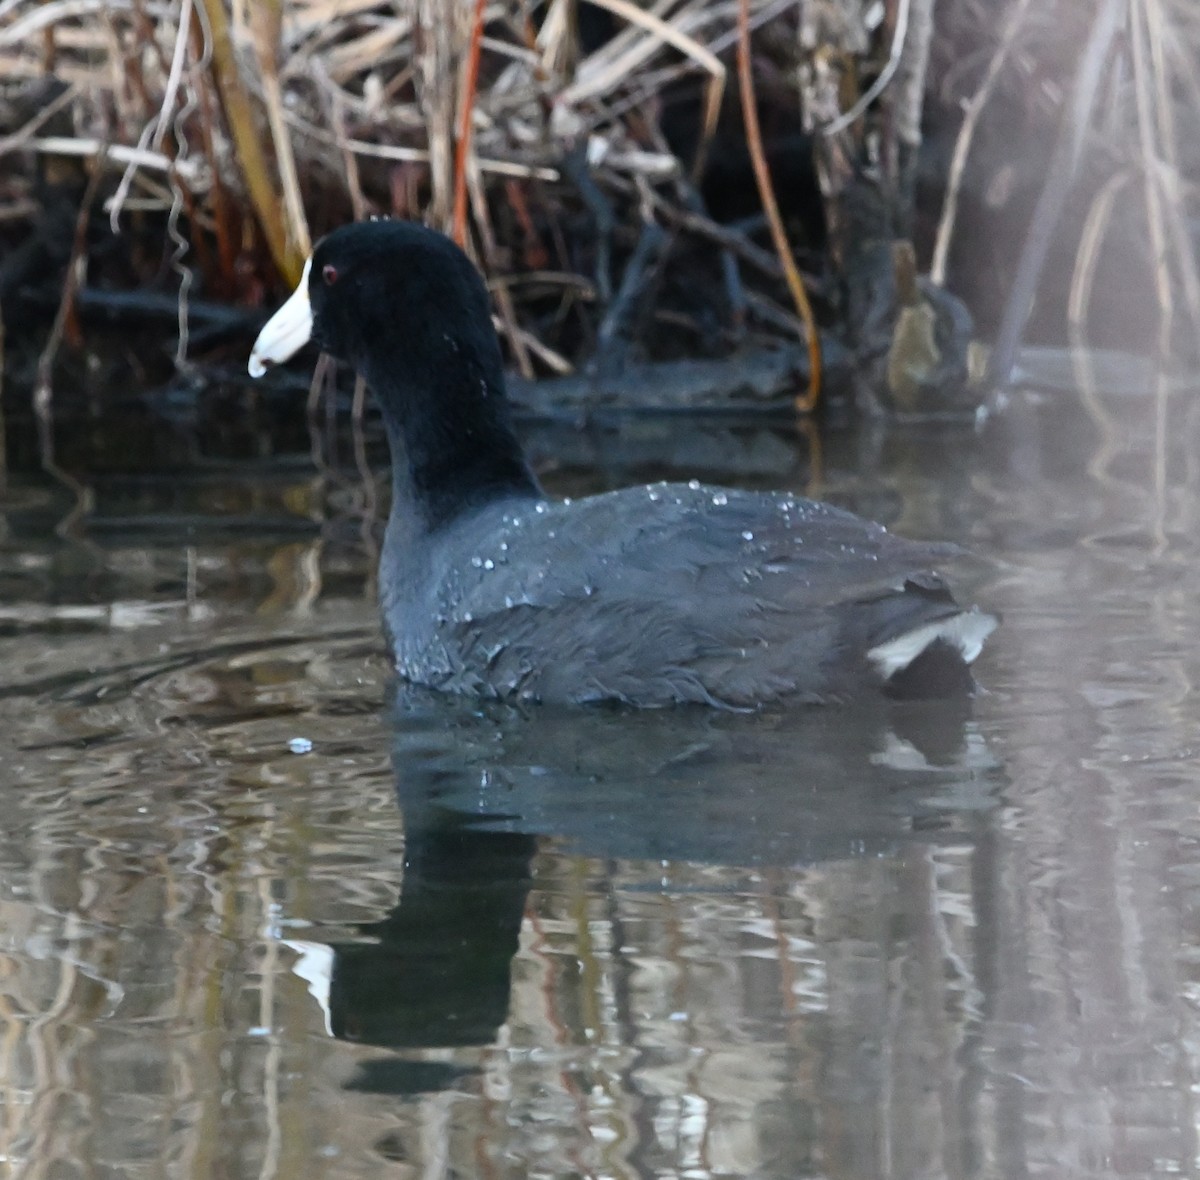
(407,309)
(387,294)
(395,289)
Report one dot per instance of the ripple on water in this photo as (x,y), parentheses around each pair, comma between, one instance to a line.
(740,936)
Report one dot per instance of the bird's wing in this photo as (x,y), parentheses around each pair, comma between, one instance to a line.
(719,595)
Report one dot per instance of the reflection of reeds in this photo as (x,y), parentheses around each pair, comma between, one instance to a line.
(3,435)
(1128,79)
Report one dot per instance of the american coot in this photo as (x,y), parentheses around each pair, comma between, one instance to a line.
(648,595)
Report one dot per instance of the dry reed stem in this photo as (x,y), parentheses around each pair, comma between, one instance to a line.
(337,115)
(895,52)
(365,55)
(193,171)
(410,155)
(911,74)
(466,125)
(43,392)
(708,61)
(219,196)
(45,16)
(251,153)
(267,28)
(807,402)
(155,131)
(466,95)
(501,295)
(436,54)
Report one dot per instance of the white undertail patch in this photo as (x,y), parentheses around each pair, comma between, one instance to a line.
(966,632)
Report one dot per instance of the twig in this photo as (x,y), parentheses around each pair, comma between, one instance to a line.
(337,117)
(502,295)
(412,155)
(690,47)
(534,253)
(731,277)
(576,168)
(21,137)
(222,206)
(761,308)
(885,75)
(195,172)
(46,15)
(808,402)
(612,338)
(155,131)
(604,69)
(554,361)
(723,235)
(551,278)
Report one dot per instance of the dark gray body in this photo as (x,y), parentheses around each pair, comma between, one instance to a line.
(655,595)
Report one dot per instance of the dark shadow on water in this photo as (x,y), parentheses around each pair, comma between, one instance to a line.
(482,787)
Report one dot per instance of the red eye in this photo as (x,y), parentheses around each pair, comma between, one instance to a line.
(329,274)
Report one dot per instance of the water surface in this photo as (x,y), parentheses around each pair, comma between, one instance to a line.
(262,916)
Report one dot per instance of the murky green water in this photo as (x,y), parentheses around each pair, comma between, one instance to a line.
(260,918)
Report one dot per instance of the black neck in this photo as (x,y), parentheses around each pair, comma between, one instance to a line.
(452,441)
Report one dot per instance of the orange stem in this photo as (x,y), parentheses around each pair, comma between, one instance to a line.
(466,126)
(766,192)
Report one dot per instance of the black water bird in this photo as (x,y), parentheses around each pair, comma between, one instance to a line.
(650,595)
